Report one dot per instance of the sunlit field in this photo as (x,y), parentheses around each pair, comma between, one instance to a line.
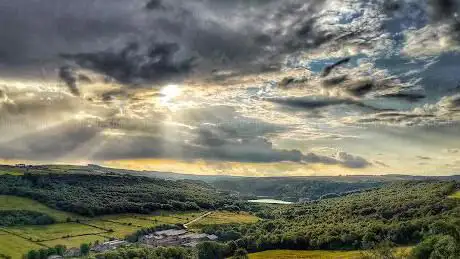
(291,254)
(14,246)
(218,218)
(19,203)
(75,241)
(456,195)
(55,231)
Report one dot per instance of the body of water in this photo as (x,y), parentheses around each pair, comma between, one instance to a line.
(271,201)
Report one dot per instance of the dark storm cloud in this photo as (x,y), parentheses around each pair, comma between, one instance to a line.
(154,5)
(328,69)
(309,103)
(97,34)
(69,77)
(443,9)
(132,63)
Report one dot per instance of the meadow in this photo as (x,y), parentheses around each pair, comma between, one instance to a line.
(294,254)
(14,246)
(221,218)
(18,240)
(455,195)
(2,172)
(19,203)
(75,241)
(52,232)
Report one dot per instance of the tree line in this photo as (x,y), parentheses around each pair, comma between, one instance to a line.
(92,195)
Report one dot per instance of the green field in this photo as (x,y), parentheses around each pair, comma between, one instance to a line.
(220,217)
(55,231)
(291,254)
(133,220)
(15,246)
(456,195)
(298,254)
(75,241)
(17,240)
(173,218)
(112,229)
(19,203)
(10,173)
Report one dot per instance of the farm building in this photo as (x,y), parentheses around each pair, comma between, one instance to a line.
(173,237)
(111,245)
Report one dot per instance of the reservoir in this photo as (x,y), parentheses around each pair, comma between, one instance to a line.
(270,201)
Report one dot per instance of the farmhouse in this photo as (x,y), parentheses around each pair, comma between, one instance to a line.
(111,245)
(173,237)
(72,252)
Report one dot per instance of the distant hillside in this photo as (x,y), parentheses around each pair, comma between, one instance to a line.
(107,194)
(294,189)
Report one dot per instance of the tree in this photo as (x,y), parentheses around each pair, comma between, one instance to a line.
(51,251)
(43,253)
(60,249)
(437,247)
(33,255)
(211,250)
(84,249)
(241,253)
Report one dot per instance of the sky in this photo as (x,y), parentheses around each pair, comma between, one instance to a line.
(244,87)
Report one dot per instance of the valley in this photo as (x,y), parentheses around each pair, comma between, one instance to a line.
(112,214)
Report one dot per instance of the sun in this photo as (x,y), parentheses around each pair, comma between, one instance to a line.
(168,93)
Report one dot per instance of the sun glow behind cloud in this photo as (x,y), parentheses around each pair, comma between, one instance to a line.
(168,94)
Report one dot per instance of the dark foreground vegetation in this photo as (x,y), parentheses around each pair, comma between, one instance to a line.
(99,195)
(293,189)
(24,217)
(404,213)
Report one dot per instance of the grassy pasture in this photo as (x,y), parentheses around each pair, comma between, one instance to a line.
(55,231)
(456,195)
(16,173)
(291,254)
(164,217)
(220,217)
(14,246)
(133,220)
(19,203)
(112,229)
(313,254)
(75,241)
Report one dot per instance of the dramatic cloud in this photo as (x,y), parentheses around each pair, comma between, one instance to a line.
(158,62)
(317,103)
(69,77)
(274,82)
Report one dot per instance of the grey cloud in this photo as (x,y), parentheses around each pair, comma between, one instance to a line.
(238,34)
(327,70)
(352,161)
(154,5)
(156,63)
(50,144)
(213,141)
(446,111)
(69,77)
(443,9)
(424,157)
(411,97)
(310,103)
